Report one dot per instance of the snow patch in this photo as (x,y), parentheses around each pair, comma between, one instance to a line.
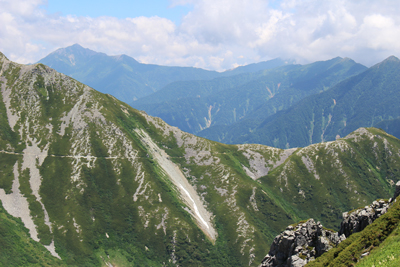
(17,205)
(253,201)
(186,190)
(33,157)
(12,116)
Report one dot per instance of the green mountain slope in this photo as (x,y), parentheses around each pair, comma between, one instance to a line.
(360,101)
(380,239)
(17,248)
(197,105)
(97,182)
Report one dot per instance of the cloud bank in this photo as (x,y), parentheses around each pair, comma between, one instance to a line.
(216,34)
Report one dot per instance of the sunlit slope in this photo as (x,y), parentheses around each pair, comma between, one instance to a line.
(97,182)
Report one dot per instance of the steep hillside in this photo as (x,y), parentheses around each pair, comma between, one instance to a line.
(197,105)
(377,245)
(17,248)
(360,101)
(97,182)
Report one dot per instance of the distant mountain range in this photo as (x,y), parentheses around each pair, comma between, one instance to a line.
(127,79)
(364,100)
(275,103)
(86,180)
(248,98)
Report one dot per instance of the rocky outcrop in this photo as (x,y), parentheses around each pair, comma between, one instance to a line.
(300,244)
(296,246)
(357,220)
(396,192)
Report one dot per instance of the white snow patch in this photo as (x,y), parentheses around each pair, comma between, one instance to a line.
(52,250)
(186,190)
(253,201)
(139,177)
(33,155)
(163,221)
(12,116)
(310,166)
(17,205)
(258,166)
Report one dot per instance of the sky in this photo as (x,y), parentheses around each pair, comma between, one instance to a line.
(210,34)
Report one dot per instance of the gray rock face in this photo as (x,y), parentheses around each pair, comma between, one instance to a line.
(295,247)
(298,245)
(397,191)
(357,220)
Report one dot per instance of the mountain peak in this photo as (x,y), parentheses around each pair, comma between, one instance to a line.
(387,62)
(77,46)
(392,59)
(74,50)
(347,59)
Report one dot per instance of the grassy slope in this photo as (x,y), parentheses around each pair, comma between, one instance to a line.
(343,175)
(17,248)
(387,254)
(380,238)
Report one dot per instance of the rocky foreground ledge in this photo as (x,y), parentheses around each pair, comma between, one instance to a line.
(302,243)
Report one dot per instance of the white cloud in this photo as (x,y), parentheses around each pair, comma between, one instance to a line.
(216,34)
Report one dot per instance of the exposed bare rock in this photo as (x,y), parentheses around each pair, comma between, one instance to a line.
(300,244)
(357,134)
(296,246)
(195,206)
(397,191)
(357,220)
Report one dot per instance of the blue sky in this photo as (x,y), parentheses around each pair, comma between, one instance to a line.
(119,9)
(210,34)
